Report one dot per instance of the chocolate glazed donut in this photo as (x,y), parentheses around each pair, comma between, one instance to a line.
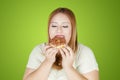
(58,42)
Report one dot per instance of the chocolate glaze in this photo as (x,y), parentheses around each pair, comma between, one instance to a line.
(57,41)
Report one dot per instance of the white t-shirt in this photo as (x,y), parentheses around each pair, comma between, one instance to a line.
(84,62)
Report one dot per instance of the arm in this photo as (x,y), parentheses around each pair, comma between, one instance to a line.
(40,74)
(43,71)
(93,75)
(73,74)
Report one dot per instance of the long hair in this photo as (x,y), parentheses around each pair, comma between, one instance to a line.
(73,44)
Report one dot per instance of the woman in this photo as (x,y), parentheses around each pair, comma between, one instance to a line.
(78,61)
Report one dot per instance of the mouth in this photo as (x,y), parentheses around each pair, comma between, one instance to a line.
(60,36)
(58,41)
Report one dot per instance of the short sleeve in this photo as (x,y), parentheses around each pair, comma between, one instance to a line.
(35,58)
(86,60)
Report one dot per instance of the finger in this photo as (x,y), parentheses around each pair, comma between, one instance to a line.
(48,51)
(53,51)
(53,54)
(66,52)
(47,47)
(70,50)
(62,53)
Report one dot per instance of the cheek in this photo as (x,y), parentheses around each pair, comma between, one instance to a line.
(51,33)
(67,35)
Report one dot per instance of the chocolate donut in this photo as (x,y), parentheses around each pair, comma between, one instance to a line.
(58,42)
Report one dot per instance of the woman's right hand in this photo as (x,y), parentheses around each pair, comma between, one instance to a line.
(50,53)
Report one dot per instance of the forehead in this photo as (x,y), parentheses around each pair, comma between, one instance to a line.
(60,17)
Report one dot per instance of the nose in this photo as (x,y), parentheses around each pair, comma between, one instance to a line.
(59,29)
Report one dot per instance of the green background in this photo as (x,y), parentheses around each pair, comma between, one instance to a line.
(23,25)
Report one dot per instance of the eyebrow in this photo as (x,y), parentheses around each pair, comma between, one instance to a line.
(53,22)
(62,22)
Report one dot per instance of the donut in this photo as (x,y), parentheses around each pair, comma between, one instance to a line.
(58,42)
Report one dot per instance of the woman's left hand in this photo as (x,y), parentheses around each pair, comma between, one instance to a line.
(67,57)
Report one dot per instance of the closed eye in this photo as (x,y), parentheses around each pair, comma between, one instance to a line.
(54,26)
(65,26)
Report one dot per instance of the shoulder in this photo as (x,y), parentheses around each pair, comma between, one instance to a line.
(36,56)
(84,53)
(84,49)
(37,50)
(39,47)
(85,59)
(82,46)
